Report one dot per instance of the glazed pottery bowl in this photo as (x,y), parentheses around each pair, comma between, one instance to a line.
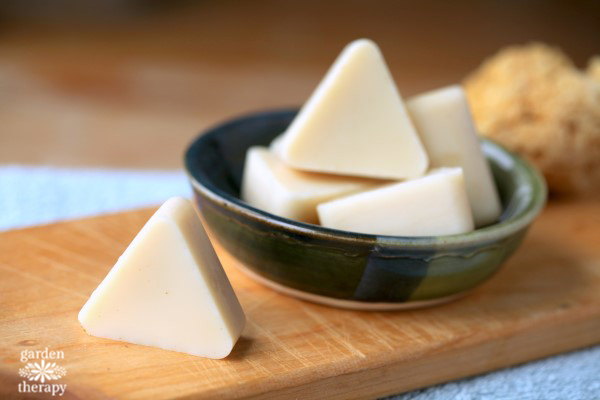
(347,269)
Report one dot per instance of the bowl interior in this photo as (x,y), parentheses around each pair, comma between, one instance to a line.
(217,158)
(215,161)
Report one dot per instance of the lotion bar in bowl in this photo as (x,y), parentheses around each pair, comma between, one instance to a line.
(444,122)
(168,290)
(433,205)
(355,122)
(270,185)
(276,144)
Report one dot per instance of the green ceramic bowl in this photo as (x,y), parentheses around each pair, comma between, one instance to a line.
(349,269)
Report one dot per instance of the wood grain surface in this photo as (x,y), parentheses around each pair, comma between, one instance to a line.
(132,85)
(544,301)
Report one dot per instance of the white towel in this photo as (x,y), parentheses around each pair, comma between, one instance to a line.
(40,195)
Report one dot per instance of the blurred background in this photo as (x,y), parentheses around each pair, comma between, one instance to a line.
(128,83)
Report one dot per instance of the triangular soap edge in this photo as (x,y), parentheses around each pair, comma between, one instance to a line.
(284,146)
(192,223)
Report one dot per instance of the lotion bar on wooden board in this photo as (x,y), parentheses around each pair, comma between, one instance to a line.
(168,290)
(444,122)
(433,205)
(270,185)
(355,122)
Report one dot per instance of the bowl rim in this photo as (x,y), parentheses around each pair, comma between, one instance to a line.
(200,182)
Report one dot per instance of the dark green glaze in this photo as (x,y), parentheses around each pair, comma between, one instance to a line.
(346,265)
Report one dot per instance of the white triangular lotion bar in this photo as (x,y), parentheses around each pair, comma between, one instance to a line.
(444,121)
(270,185)
(168,290)
(355,122)
(433,205)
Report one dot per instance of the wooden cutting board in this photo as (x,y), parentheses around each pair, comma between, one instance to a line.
(544,301)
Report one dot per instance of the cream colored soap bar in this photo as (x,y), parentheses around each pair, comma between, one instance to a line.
(276,144)
(355,122)
(268,184)
(443,120)
(435,204)
(168,290)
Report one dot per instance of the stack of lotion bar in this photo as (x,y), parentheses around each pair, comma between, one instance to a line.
(358,158)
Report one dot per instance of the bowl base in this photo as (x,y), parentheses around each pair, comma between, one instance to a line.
(346,304)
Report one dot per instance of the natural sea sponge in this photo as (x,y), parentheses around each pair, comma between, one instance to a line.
(532,99)
(593,68)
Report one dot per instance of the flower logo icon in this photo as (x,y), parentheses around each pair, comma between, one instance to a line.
(42,371)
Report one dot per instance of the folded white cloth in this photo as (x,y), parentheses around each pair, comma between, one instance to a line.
(574,375)
(38,195)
